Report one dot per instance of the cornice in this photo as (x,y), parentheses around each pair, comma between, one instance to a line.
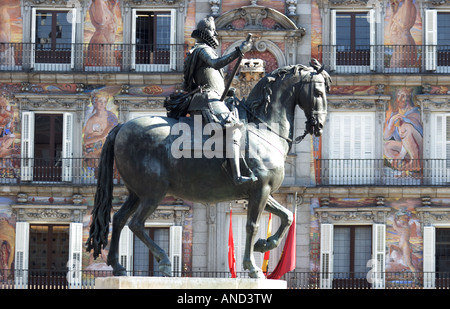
(49,213)
(358,102)
(51,101)
(375,214)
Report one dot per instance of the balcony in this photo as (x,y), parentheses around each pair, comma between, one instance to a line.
(99,58)
(71,171)
(386,59)
(84,279)
(381,172)
(331,172)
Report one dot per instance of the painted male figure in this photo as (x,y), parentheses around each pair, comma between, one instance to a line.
(203,68)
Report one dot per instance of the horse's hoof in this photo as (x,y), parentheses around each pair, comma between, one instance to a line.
(120,272)
(166,270)
(260,245)
(257,274)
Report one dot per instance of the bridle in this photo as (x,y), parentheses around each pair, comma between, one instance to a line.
(311,120)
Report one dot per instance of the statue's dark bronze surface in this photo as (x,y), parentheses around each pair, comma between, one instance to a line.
(151,167)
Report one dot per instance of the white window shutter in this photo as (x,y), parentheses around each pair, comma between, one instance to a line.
(126,248)
(173,47)
(33,38)
(27,152)
(326,256)
(439,152)
(133,39)
(431,40)
(373,24)
(335,146)
(333,48)
(429,259)
(351,139)
(378,256)
(438,138)
(72,47)
(176,248)
(21,255)
(67,153)
(75,255)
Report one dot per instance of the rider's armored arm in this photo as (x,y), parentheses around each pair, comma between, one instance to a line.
(212,60)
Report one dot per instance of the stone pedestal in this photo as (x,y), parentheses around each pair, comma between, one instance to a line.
(187,283)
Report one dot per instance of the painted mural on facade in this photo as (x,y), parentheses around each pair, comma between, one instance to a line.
(403,28)
(102,30)
(7,240)
(403,134)
(101,116)
(10,31)
(404,240)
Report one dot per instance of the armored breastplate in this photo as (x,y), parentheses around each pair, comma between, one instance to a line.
(205,75)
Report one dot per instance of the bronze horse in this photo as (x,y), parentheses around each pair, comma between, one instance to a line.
(143,153)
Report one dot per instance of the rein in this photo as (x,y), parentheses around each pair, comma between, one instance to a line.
(310,121)
(265,123)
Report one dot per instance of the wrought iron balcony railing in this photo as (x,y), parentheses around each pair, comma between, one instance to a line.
(76,171)
(386,59)
(330,172)
(383,172)
(85,279)
(92,57)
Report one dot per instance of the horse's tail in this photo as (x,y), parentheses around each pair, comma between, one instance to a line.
(101,214)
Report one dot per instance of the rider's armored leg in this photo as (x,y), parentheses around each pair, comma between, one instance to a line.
(234,160)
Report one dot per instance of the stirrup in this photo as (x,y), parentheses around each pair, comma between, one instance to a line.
(242,179)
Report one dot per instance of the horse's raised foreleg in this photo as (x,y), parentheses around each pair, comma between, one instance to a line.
(263,245)
(137,225)
(256,204)
(119,220)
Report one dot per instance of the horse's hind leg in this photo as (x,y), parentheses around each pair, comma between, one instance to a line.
(263,245)
(137,225)
(119,220)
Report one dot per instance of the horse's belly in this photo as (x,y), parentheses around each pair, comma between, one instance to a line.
(203,180)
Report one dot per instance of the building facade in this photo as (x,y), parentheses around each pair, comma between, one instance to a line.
(372,189)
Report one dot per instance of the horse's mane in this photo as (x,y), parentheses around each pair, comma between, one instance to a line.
(259,98)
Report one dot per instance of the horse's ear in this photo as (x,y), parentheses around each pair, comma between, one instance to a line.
(320,69)
(316,65)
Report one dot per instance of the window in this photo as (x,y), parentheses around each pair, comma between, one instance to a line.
(351,147)
(49,254)
(442,252)
(144,262)
(153,40)
(131,248)
(436,257)
(46,147)
(439,163)
(52,38)
(352,38)
(45,252)
(437,39)
(352,251)
(443,39)
(345,252)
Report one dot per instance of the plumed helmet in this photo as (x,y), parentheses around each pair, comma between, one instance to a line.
(206,32)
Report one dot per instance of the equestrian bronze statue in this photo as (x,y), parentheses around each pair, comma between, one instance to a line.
(156,156)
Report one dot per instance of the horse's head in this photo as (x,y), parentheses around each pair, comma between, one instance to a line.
(313,98)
